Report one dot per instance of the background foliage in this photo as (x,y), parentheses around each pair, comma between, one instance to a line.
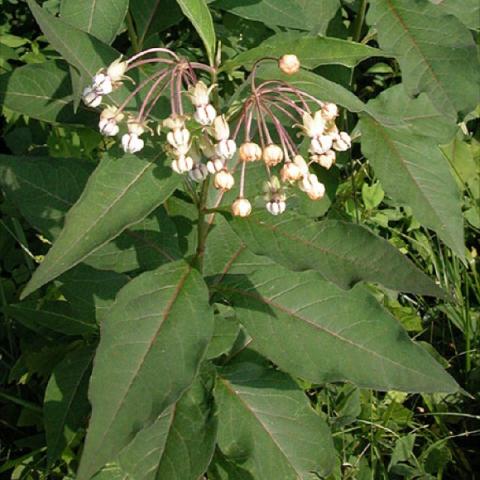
(295,327)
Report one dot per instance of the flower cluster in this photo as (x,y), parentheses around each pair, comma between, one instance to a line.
(200,141)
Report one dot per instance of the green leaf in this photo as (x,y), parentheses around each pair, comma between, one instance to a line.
(154,16)
(467,11)
(225,332)
(101,18)
(152,342)
(178,445)
(312,329)
(300,14)
(344,253)
(312,51)
(120,192)
(436,52)
(198,13)
(84,51)
(42,91)
(413,171)
(66,404)
(261,411)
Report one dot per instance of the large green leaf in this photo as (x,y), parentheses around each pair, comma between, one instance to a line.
(436,52)
(267,426)
(101,18)
(178,445)
(312,51)
(317,331)
(198,13)
(344,253)
(42,91)
(152,342)
(121,192)
(413,171)
(66,404)
(300,14)
(467,11)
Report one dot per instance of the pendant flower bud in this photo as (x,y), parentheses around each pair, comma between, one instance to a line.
(329,111)
(312,187)
(182,164)
(300,162)
(272,155)
(116,70)
(91,98)
(289,64)
(198,173)
(178,138)
(221,129)
(131,143)
(205,115)
(200,94)
(343,142)
(108,127)
(226,149)
(276,207)
(321,144)
(174,122)
(326,160)
(313,126)
(290,172)
(135,128)
(102,84)
(215,165)
(224,180)
(250,152)
(241,207)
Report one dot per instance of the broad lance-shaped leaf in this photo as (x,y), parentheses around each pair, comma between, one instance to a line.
(120,192)
(198,13)
(413,171)
(42,91)
(152,342)
(467,11)
(436,52)
(267,426)
(314,330)
(344,253)
(312,51)
(101,18)
(178,445)
(66,406)
(45,188)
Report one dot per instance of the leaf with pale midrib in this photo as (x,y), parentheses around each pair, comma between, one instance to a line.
(314,330)
(344,253)
(152,342)
(120,192)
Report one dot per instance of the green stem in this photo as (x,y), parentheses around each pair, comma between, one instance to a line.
(359,19)
(132,33)
(202,226)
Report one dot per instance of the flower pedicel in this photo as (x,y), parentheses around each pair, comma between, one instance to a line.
(209,144)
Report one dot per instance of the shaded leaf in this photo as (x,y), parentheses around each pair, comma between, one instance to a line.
(260,411)
(467,11)
(344,253)
(66,404)
(120,192)
(152,342)
(436,52)
(315,330)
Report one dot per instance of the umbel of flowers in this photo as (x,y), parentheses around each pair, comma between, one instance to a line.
(204,142)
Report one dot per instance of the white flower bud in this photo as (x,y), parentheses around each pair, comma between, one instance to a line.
(135,128)
(205,115)
(343,142)
(174,122)
(289,64)
(215,165)
(102,84)
(321,144)
(313,126)
(329,111)
(290,172)
(300,162)
(91,98)
(317,191)
(221,130)
(241,207)
(226,149)
(108,127)
(224,180)
(276,207)
(178,138)
(198,173)
(312,187)
(326,160)
(200,94)
(131,143)
(272,155)
(116,70)
(250,152)
(182,164)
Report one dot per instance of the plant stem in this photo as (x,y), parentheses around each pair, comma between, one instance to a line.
(202,226)
(132,33)
(359,19)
